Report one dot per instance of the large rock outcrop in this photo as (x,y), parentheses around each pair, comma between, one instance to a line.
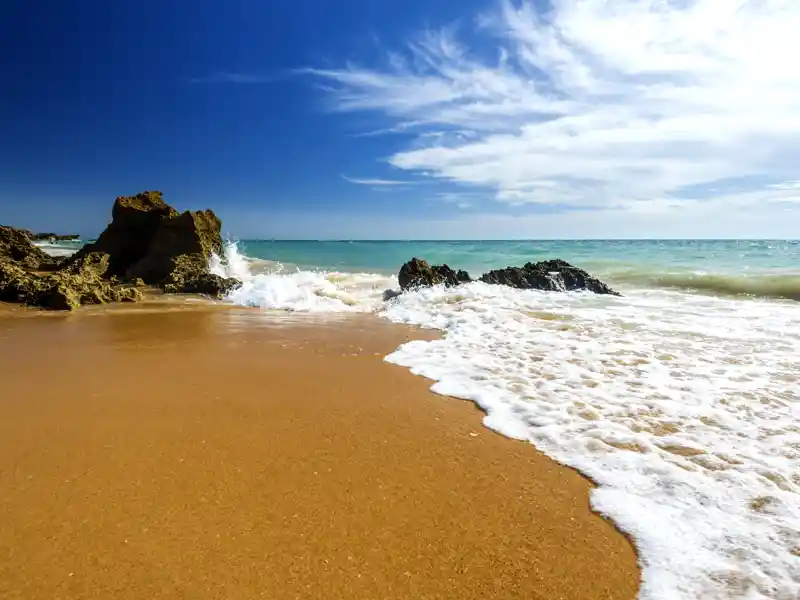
(147,239)
(147,243)
(549,275)
(418,273)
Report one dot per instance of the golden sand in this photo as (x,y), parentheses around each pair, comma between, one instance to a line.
(153,453)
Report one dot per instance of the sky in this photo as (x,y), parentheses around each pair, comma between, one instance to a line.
(407,119)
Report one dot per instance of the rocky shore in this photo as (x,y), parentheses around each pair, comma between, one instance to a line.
(50,237)
(549,275)
(147,243)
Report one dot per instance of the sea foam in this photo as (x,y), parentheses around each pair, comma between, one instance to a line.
(272,285)
(684,409)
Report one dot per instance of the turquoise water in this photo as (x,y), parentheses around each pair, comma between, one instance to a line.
(768,268)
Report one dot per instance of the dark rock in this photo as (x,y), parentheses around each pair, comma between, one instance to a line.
(418,273)
(180,248)
(150,240)
(549,275)
(15,245)
(126,240)
(389,294)
(206,284)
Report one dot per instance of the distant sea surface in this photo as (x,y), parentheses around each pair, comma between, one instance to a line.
(680,399)
(760,267)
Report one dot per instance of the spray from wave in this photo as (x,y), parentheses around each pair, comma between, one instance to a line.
(272,285)
(67,248)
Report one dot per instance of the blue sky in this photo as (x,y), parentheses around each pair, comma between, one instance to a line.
(406,118)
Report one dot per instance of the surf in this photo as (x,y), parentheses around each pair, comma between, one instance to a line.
(681,406)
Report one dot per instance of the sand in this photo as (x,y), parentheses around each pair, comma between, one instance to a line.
(160,452)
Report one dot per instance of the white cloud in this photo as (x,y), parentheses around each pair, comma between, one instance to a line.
(462,200)
(625,104)
(378,182)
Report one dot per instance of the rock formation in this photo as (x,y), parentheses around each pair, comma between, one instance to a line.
(549,275)
(149,240)
(206,284)
(15,245)
(418,273)
(66,289)
(147,243)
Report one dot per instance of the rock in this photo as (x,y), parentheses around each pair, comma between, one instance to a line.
(418,273)
(147,243)
(206,284)
(16,246)
(147,239)
(126,240)
(64,290)
(180,248)
(550,275)
(13,281)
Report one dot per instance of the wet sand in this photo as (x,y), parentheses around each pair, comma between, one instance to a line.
(218,453)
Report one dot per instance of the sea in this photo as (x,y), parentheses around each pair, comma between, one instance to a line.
(680,399)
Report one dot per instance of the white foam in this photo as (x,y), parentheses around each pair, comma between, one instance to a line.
(270,285)
(56,249)
(685,409)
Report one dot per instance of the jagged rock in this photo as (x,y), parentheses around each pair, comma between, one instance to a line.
(134,220)
(180,248)
(16,246)
(418,273)
(64,290)
(149,240)
(13,280)
(206,284)
(550,275)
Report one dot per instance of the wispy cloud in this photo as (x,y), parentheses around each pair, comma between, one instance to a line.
(786,185)
(461,200)
(377,182)
(227,77)
(621,104)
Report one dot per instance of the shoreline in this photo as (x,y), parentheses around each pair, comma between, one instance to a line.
(154,451)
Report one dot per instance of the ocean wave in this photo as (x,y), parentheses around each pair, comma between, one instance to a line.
(274,285)
(683,408)
(778,286)
(59,248)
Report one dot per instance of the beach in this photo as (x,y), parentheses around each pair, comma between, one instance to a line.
(191,450)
